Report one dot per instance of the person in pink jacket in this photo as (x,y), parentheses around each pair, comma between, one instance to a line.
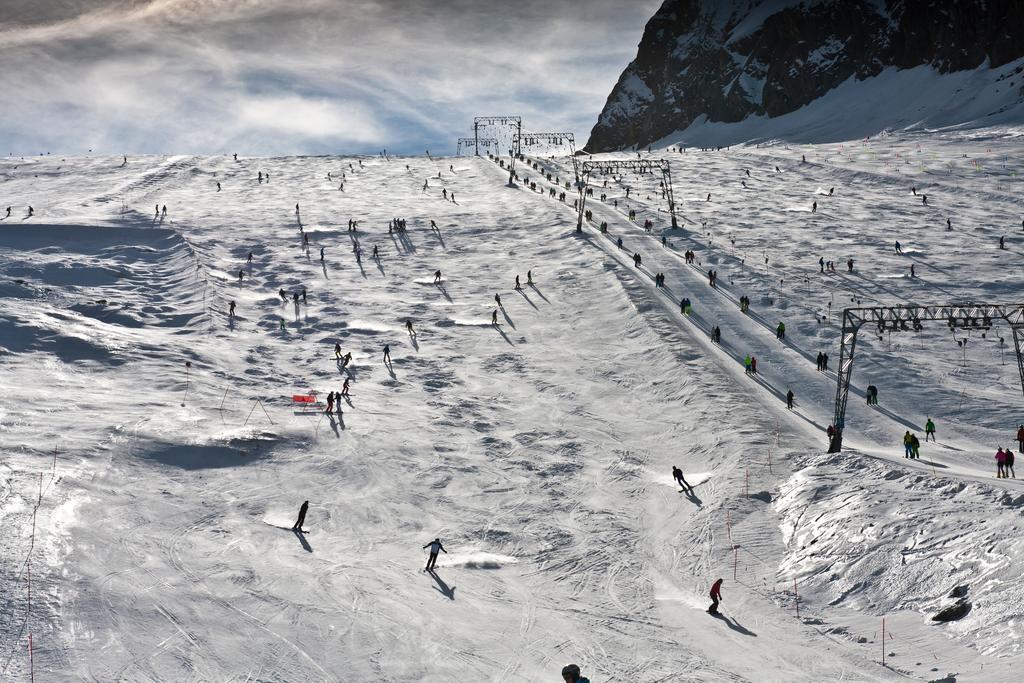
(1000,464)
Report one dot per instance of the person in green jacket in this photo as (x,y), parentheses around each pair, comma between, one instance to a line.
(780,331)
(746,364)
(929,430)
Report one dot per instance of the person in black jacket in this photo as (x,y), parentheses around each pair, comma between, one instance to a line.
(435,548)
(302,517)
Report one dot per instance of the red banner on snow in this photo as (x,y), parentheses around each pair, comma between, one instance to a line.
(299,398)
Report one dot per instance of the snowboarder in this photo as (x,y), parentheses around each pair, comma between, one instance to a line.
(387,354)
(929,430)
(677,474)
(789,399)
(435,547)
(302,517)
(716,596)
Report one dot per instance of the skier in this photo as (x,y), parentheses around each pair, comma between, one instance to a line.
(31,211)
(908,445)
(753,365)
(716,596)
(1000,464)
(1002,242)
(949,224)
(821,263)
(346,359)
(302,517)
(330,403)
(1008,466)
(344,388)
(849,265)
(231,309)
(913,272)
(915,445)
(241,274)
(746,364)
(8,212)
(322,254)
(929,430)
(814,207)
(789,399)
(677,474)
(716,335)
(435,547)
(780,331)
(304,296)
(409,329)
(337,351)
(899,249)
(1020,436)
(494,317)
(218,187)
(820,354)
(437,276)
(518,286)
(387,354)
(571,674)
(282,294)
(282,324)
(497,300)
(250,257)
(529,277)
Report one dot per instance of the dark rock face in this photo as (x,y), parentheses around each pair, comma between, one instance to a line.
(953,612)
(730,59)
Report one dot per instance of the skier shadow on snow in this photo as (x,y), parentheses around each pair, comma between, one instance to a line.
(539,293)
(380,266)
(693,498)
(523,294)
(441,288)
(336,424)
(507,318)
(733,624)
(440,239)
(302,539)
(323,266)
(389,366)
(445,590)
(406,243)
(503,335)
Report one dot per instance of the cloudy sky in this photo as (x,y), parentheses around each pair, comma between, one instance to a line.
(302,76)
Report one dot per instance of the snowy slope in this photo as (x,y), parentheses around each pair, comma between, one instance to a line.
(539,449)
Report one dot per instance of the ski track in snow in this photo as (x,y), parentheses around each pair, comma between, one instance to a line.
(538,449)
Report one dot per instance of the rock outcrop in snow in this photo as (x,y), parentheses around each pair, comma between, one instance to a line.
(727,61)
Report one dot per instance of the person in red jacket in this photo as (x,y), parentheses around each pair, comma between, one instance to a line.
(716,596)
(1020,436)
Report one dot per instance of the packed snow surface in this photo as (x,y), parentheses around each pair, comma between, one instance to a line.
(153,460)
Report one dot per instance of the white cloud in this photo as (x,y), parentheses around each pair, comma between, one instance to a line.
(284,77)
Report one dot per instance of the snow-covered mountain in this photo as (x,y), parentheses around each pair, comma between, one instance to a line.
(715,72)
(146,504)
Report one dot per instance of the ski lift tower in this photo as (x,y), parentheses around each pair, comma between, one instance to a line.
(520,140)
(912,318)
(515,122)
(638,166)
